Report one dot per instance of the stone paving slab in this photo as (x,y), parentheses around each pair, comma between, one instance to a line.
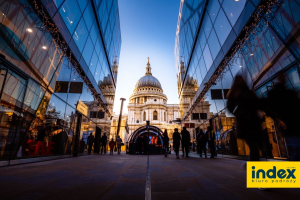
(124,177)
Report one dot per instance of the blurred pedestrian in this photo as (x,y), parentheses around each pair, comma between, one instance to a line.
(119,144)
(202,139)
(103,143)
(286,104)
(244,104)
(176,142)
(211,137)
(186,140)
(197,140)
(166,142)
(90,141)
(111,146)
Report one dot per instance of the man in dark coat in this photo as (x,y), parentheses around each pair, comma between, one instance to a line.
(90,141)
(286,104)
(186,139)
(176,142)
(103,143)
(211,137)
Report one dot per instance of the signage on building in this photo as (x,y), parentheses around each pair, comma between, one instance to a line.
(81,107)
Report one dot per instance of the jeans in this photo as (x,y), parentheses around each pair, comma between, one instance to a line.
(103,149)
(119,149)
(202,147)
(293,146)
(176,148)
(211,145)
(166,149)
(186,148)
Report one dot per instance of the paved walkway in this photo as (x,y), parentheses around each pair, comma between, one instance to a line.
(124,177)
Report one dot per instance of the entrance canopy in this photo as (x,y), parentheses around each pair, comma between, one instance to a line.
(142,131)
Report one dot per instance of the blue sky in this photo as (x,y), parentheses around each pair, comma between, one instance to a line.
(148,29)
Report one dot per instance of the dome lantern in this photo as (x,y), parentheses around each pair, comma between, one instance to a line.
(148,68)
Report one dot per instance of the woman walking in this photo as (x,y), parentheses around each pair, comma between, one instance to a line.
(166,142)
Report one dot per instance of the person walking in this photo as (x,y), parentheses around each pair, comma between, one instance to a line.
(244,105)
(286,104)
(202,139)
(176,142)
(103,143)
(90,141)
(166,142)
(119,144)
(111,146)
(186,140)
(211,137)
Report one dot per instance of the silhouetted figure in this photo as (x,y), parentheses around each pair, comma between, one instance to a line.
(202,139)
(103,143)
(286,104)
(176,142)
(243,103)
(166,142)
(145,144)
(111,146)
(90,141)
(139,144)
(186,139)
(197,140)
(211,137)
(119,144)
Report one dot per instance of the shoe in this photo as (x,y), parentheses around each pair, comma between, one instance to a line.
(187,156)
(200,156)
(177,157)
(205,156)
(182,156)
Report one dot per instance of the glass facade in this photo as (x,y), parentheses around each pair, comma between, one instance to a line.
(207,31)
(45,100)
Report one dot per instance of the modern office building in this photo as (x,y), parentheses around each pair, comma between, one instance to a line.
(217,39)
(56,57)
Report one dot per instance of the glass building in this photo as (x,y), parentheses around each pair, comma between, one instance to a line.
(55,59)
(215,40)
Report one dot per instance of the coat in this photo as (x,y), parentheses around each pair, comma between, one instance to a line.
(112,144)
(176,139)
(186,138)
(202,138)
(285,103)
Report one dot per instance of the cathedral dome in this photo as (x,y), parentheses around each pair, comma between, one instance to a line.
(148,81)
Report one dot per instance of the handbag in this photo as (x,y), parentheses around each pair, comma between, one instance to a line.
(122,144)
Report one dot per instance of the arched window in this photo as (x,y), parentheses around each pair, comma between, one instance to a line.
(155,115)
(144,116)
